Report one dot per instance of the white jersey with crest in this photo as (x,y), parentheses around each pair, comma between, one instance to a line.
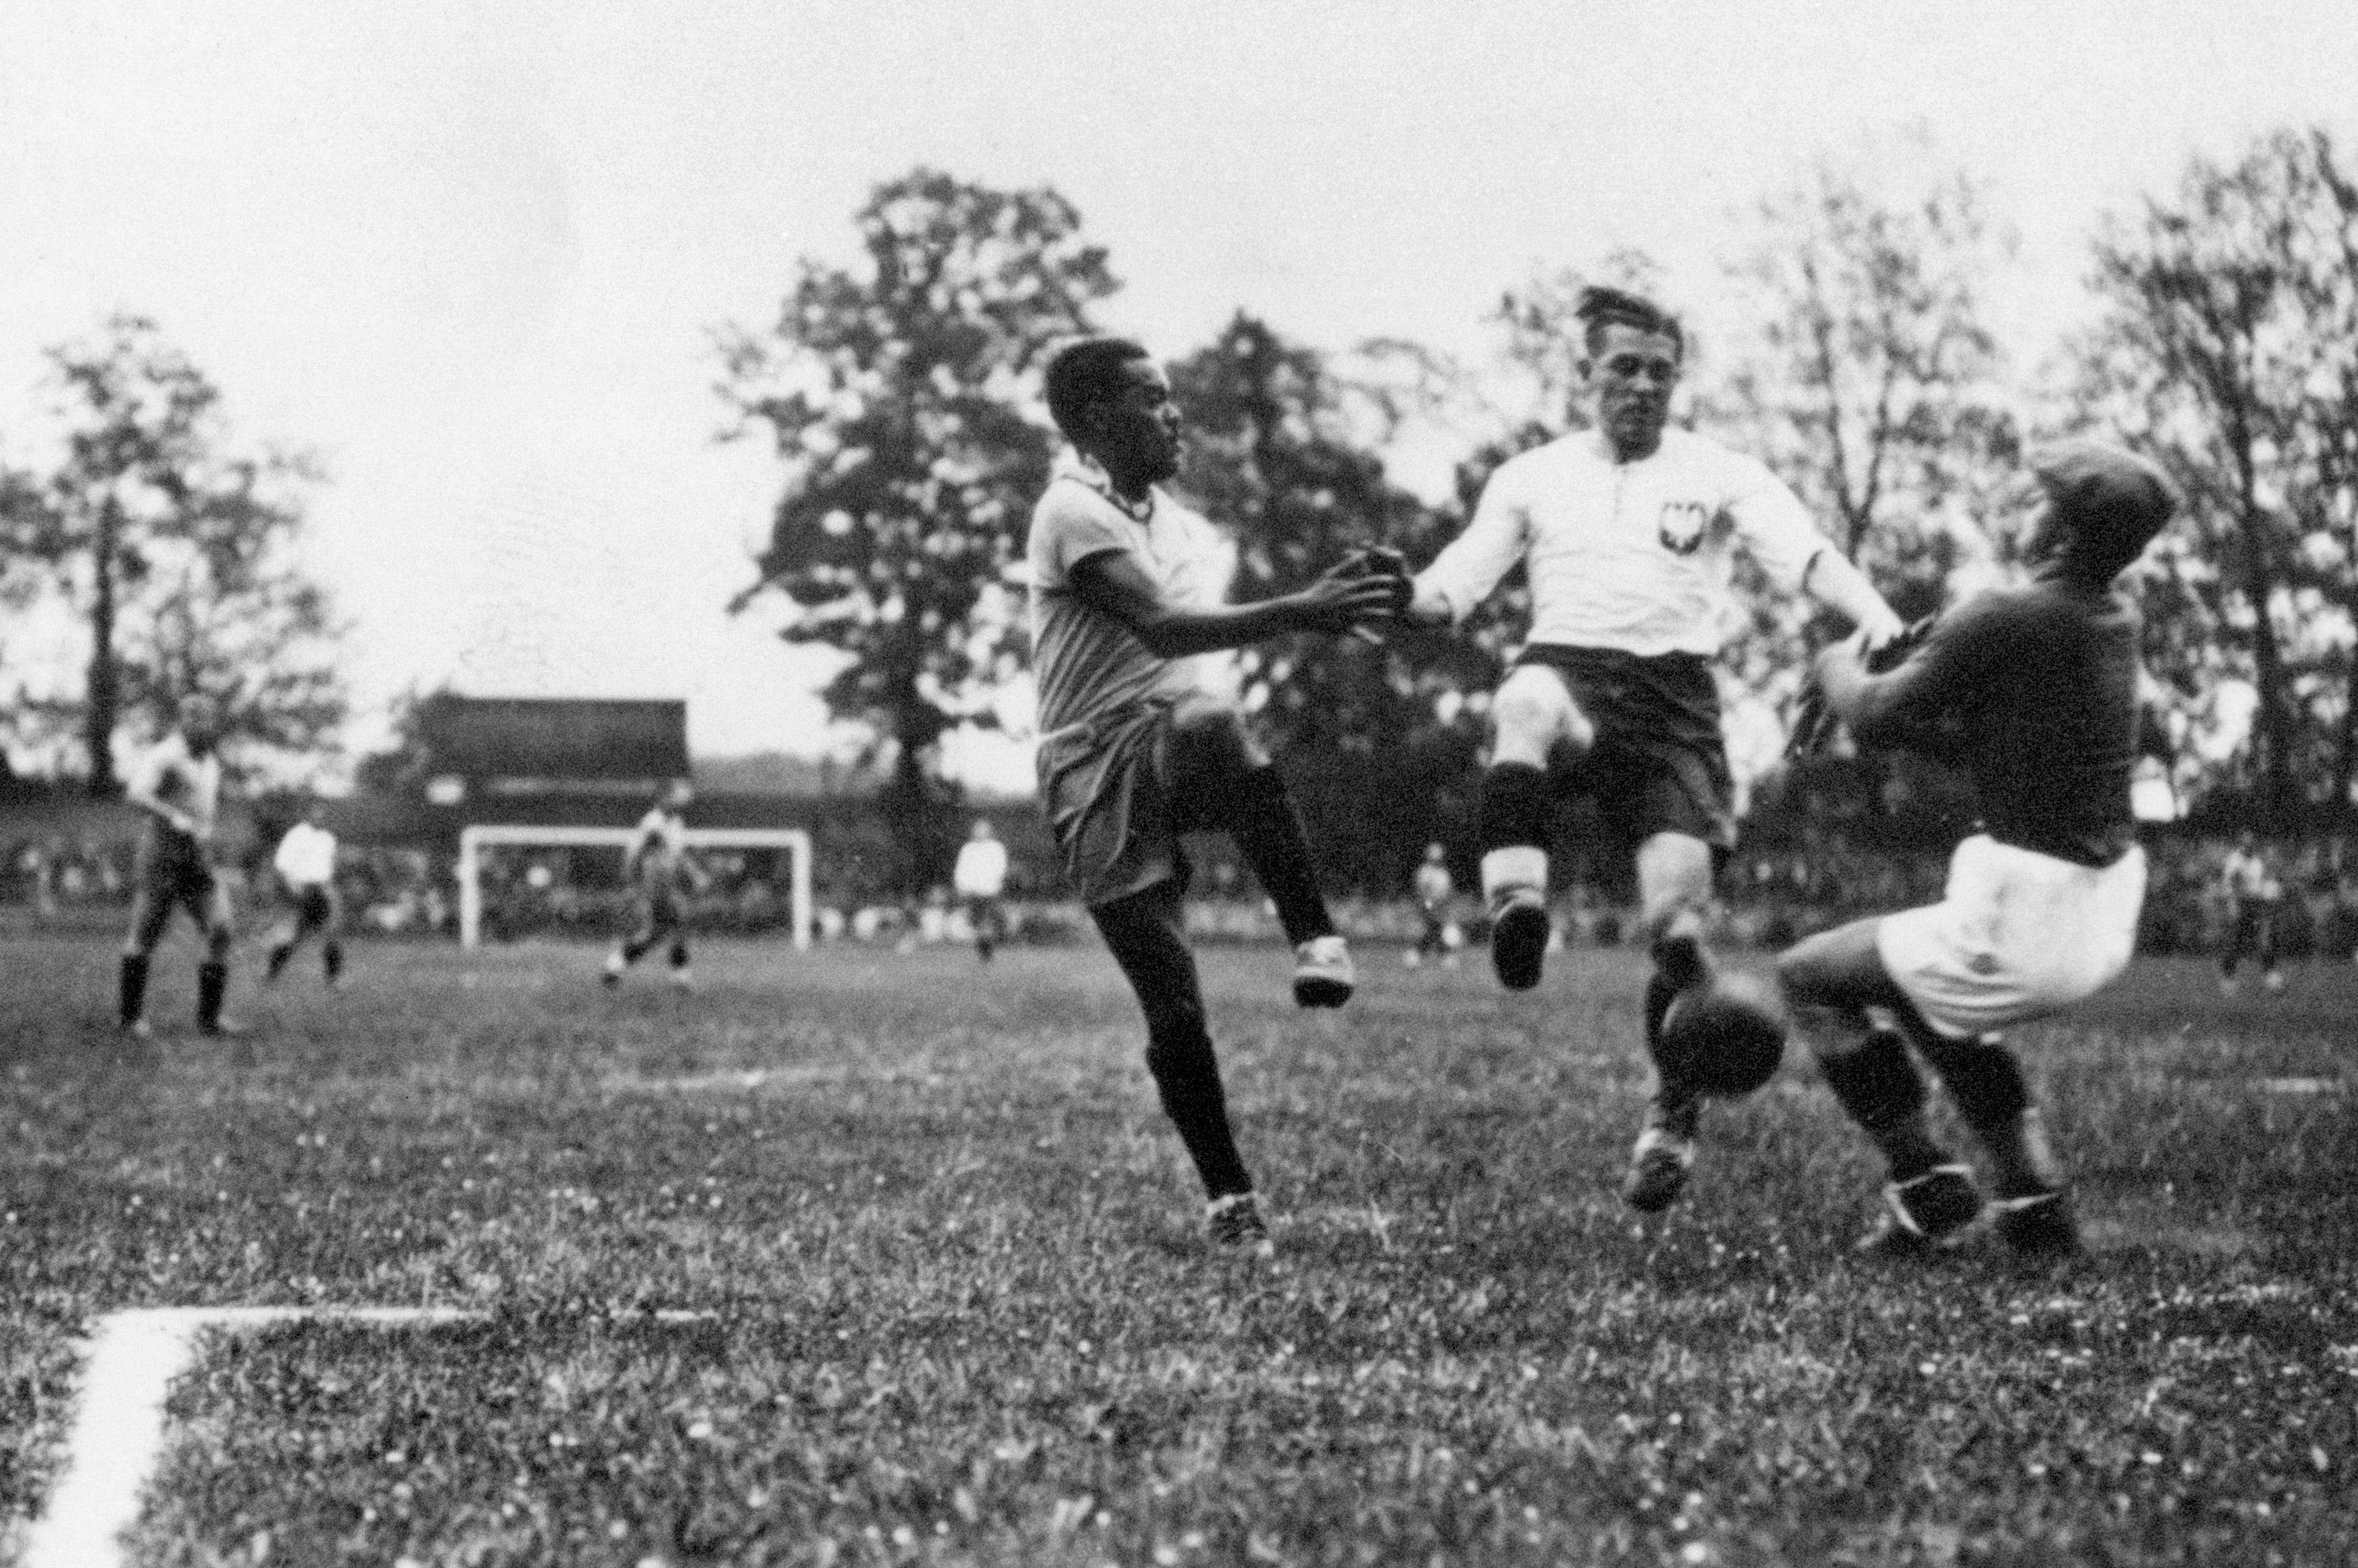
(1638,556)
(186,783)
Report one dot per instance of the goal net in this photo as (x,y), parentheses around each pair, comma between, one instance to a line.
(477,845)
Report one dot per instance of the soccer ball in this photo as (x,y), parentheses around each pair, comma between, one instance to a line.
(1725,1036)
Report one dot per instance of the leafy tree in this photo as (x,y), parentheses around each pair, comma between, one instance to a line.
(1865,376)
(2229,349)
(176,553)
(901,399)
(1273,456)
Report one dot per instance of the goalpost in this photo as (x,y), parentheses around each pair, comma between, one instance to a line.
(473,840)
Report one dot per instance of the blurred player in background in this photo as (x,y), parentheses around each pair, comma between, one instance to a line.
(177,785)
(1628,532)
(2033,691)
(1133,751)
(659,868)
(2255,899)
(979,877)
(305,864)
(1434,889)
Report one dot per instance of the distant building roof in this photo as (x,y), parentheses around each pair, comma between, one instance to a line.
(553,741)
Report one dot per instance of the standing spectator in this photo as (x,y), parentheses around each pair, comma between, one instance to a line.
(1434,890)
(980,878)
(306,868)
(2255,901)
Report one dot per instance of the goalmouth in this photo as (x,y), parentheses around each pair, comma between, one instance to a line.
(473,840)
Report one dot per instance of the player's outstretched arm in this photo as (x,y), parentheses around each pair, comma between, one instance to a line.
(1347,594)
(1842,588)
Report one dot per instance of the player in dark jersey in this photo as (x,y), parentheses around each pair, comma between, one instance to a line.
(2033,690)
(177,785)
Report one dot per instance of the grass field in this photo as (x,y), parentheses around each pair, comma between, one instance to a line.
(957,1309)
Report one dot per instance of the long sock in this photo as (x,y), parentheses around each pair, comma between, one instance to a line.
(1143,933)
(1187,1081)
(1513,826)
(278,957)
(1678,964)
(131,986)
(1268,832)
(212,985)
(1883,1092)
(1986,1080)
(678,954)
(331,957)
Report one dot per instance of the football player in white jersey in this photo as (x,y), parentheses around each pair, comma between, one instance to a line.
(177,785)
(980,878)
(1628,531)
(658,866)
(305,864)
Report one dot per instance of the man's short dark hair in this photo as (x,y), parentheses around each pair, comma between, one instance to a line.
(1601,306)
(1084,374)
(2114,501)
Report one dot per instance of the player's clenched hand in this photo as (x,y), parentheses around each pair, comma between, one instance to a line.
(1878,629)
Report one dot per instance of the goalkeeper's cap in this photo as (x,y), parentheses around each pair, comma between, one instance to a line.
(2113,500)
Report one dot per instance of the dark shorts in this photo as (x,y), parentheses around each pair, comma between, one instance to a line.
(172,869)
(658,909)
(1108,788)
(314,905)
(1660,764)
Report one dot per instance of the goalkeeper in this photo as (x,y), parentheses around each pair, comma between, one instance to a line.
(2033,690)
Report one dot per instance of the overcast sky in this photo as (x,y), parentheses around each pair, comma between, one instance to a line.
(470,253)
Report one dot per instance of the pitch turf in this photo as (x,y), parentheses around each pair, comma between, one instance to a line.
(959,1311)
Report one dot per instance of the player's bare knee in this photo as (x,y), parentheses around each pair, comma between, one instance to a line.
(1533,718)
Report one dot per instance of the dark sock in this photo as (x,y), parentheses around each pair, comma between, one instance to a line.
(1187,1081)
(635,948)
(1269,834)
(278,957)
(331,956)
(1514,811)
(1982,1077)
(1880,1086)
(212,985)
(679,955)
(131,986)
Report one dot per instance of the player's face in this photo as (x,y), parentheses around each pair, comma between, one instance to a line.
(1631,373)
(1138,432)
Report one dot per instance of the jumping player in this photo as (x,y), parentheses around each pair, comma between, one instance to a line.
(306,867)
(2033,691)
(1133,751)
(177,784)
(658,867)
(1628,532)
(2254,898)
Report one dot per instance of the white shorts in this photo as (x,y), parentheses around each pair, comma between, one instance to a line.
(2016,934)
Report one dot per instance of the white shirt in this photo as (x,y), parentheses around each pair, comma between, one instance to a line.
(657,853)
(1637,555)
(1085,663)
(2248,876)
(306,857)
(981,868)
(183,782)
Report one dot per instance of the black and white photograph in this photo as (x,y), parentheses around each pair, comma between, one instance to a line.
(1046,784)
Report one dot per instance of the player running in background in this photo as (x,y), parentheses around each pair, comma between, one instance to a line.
(1628,532)
(978,878)
(1133,751)
(177,785)
(1434,889)
(2033,691)
(2255,898)
(305,864)
(659,868)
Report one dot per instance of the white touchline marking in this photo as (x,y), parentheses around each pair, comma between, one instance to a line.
(118,1433)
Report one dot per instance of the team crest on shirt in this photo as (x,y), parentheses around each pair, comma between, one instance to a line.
(1682,524)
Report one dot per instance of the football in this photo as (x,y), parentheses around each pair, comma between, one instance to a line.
(1726,1036)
